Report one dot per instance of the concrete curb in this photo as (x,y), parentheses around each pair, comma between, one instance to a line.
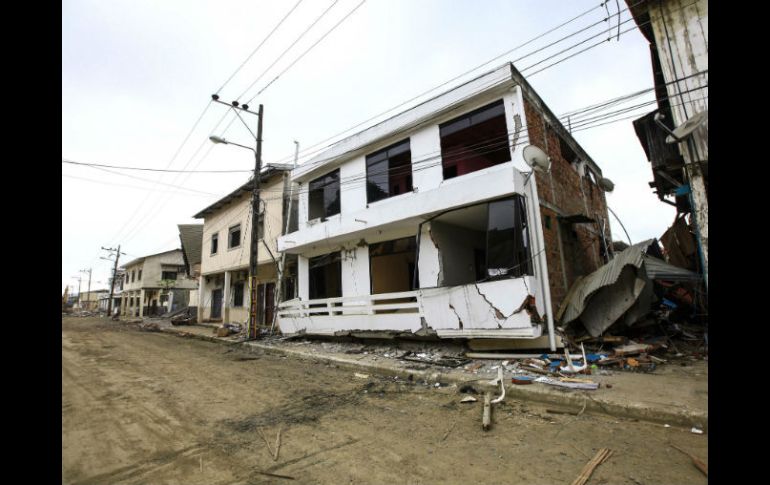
(563,398)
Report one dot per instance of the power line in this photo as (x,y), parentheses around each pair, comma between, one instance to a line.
(102,182)
(258,47)
(310,148)
(285,51)
(123,167)
(529,75)
(306,51)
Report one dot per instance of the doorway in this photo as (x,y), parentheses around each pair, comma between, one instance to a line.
(216,303)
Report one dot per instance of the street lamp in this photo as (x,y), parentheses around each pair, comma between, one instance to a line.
(253,256)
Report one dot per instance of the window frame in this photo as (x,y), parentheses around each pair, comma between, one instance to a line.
(214,243)
(336,260)
(389,170)
(164,273)
(230,232)
(468,120)
(312,190)
(239,286)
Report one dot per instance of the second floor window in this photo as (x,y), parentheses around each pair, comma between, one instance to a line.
(324,197)
(475,141)
(234,239)
(214,243)
(133,275)
(389,172)
(168,275)
(140,275)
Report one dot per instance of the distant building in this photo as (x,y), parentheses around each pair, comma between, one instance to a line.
(155,284)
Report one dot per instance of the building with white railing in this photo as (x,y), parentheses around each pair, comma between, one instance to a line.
(430,224)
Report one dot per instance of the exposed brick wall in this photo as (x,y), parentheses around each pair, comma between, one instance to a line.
(561,189)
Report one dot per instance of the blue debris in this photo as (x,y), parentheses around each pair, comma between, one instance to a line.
(555,363)
(669,303)
(595,357)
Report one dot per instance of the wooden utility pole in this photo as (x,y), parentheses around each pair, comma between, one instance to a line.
(89,284)
(114,277)
(288,188)
(254,254)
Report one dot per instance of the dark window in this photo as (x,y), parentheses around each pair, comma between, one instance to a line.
(290,278)
(391,265)
(238,294)
(140,274)
(261,226)
(133,275)
(214,243)
(325,276)
(234,239)
(507,239)
(483,242)
(475,141)
(325,196)
(389,172)
(567,153)
(168,275)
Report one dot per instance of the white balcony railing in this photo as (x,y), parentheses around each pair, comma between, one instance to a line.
(384,303)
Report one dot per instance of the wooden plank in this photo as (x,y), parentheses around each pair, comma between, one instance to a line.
(600,457)
(486,418)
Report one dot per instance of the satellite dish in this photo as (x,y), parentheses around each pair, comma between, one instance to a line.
(536,158)
(685,129)
(606,184)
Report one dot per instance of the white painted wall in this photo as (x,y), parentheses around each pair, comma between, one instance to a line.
(486,309)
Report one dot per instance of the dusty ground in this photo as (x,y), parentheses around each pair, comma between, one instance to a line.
(145,407)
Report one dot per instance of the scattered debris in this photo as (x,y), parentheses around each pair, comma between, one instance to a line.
(600,457)
(361,376)
(468,399)
(446,361)
(502,386)
(696,430)
(569,383)
(695,461)
(522,380)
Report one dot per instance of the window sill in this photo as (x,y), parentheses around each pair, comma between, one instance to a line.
(392,197)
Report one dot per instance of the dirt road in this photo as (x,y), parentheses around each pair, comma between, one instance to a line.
(152,408)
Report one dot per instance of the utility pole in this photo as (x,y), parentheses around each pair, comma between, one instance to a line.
(254,249)
(79,280)
(253,257)
(89,284)
(114,276)
(282,267)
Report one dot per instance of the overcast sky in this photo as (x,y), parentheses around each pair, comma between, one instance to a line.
(137,74)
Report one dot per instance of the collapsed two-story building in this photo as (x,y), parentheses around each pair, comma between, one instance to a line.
(225,251)
(430,223)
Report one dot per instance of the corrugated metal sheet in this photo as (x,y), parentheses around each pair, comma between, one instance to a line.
(658,269)
(604,276)
(191,236)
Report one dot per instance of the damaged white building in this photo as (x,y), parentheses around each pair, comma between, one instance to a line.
(430,224)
